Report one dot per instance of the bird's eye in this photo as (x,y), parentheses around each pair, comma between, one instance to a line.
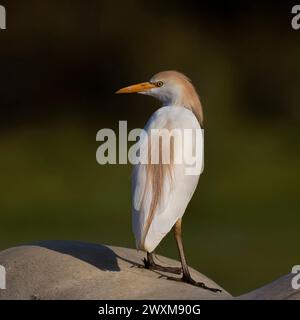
(159,83)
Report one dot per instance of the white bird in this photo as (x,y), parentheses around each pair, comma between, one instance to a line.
(162,191)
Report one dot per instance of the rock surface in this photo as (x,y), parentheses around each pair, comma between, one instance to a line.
(280,289)
(77,270)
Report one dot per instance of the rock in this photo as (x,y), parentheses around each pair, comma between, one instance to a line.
(280,289)
(78,270)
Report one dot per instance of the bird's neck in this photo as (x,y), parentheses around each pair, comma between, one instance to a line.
(188,98)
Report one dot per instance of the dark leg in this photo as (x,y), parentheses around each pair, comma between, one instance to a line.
(186,273)
(149,263)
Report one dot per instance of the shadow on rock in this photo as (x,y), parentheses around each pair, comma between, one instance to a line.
(97,255)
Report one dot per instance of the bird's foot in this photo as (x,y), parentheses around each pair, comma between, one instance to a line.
(202,285)
(153,266)
(191,281)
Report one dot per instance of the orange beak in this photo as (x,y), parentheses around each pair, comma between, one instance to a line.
(144,86)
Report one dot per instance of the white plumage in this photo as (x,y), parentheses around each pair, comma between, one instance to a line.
(177,186)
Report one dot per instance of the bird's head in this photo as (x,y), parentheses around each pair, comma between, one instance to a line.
(172,88)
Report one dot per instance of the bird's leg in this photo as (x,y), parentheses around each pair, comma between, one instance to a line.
(149,263)
(186,277)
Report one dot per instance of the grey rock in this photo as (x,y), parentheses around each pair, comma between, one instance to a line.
(78,270)
(280,289)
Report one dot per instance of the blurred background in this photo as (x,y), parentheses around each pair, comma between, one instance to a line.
(62,61)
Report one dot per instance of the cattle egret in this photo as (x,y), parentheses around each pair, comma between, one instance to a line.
(161,192)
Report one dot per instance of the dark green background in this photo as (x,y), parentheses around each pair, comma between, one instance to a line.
(61,62)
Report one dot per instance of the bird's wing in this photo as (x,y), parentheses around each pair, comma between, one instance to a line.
(161,192)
